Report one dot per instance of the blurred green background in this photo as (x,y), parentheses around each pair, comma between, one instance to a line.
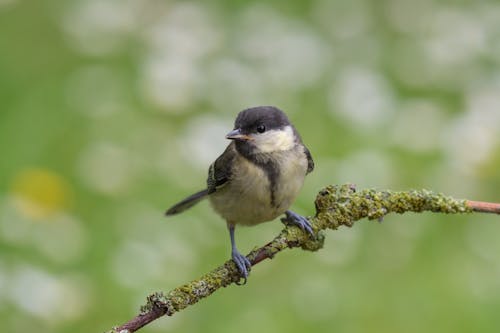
(112,110)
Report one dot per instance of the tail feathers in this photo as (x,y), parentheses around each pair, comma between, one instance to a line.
(187,203)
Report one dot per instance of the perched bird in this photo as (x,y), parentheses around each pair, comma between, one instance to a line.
(258,176)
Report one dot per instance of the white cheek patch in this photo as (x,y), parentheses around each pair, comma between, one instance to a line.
(275,140)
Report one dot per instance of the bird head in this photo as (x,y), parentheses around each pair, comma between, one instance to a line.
(263,129)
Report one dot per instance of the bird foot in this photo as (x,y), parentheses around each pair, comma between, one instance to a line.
(298,220)
(243,265)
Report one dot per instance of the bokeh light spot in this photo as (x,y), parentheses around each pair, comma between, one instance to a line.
(40,193)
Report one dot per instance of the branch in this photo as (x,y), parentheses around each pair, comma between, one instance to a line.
(483,207)
(335,206)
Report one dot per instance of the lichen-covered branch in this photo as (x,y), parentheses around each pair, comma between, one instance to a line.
(335,206)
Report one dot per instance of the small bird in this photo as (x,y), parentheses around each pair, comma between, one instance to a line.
(257,177)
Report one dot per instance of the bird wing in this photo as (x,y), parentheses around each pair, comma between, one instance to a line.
(220,171)
(310,161)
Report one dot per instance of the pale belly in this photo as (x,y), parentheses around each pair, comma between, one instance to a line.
(246,199)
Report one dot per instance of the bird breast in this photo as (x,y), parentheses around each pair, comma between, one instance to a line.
(251,196)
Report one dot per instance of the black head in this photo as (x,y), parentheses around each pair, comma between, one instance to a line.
(257,120)
(263,130)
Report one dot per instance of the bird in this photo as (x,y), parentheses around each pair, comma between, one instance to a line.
(257,177)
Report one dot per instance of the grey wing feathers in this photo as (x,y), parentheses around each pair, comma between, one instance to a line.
(220,171)
(187,203)
(310,162)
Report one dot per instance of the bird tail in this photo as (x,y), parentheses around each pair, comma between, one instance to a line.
(187,203)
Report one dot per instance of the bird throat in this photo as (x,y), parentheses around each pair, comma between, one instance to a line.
(264,161)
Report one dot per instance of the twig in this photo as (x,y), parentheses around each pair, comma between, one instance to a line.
(484,207)
(335,206)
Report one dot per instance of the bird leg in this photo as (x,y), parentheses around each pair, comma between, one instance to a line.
(240,260)
(298,220)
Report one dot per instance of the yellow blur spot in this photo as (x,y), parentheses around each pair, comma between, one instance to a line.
(39,193)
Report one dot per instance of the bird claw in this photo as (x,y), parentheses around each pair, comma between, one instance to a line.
(298,220)
(243,265)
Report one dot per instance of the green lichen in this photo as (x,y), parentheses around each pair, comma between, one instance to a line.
(342,205)
(313,244)
(156,301)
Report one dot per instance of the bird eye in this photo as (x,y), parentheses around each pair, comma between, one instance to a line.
(261,128)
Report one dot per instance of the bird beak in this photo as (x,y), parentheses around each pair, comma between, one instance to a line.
(237,135)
